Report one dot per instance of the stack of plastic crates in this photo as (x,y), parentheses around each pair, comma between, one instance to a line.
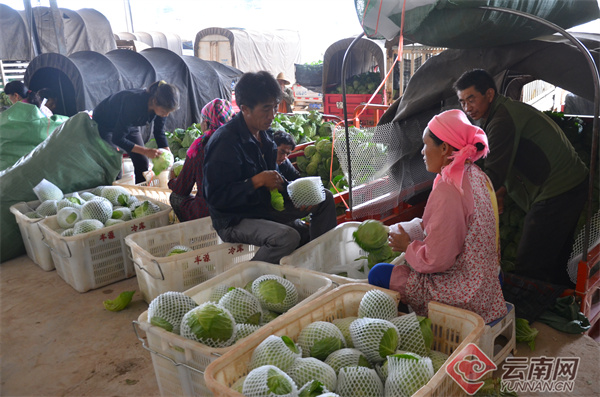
(98,258)
(453,330)
(179,362)
(157,273)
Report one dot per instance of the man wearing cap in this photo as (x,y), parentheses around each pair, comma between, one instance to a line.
(285,106)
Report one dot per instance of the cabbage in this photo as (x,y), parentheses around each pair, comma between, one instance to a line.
(47,208)
(303,370)
(177,167)
(86,226)
(142,209)
(120,302)
(162,162)
(114,193)
(407,373)
(210,324)
(344,325)
(347,357)
(359,381)
(280,351)
(268,316)
(178,249)
(275,293)
(370,235)
(46,190)
(437,359)
(122,213)
(378,304)
(319,339)
(112,222)
(268,380)
(277,200)
(67,217)
(313,388)
(167,310)
(376,338)
(97,208)
(217,293)
(243,306)
(425,325)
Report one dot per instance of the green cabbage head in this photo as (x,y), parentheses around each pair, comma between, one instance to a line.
(371,235)
(162,162)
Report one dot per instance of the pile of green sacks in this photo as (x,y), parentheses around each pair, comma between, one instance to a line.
(74,157)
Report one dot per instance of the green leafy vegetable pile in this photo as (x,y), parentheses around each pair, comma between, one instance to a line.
(179,140)
(304,128)
(364,83)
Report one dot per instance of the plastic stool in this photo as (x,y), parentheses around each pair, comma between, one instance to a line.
(499,337)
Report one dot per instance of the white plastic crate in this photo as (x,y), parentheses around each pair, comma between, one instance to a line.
(178,362)
(453,329)
(210,256)
(332,253)
(95,259)
(500,338)
(36,249)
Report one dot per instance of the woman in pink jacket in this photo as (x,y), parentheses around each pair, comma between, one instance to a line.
(453,252)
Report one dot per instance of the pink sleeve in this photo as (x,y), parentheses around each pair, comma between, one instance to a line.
(445,223)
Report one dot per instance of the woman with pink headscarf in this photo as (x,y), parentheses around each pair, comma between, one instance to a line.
(186,205)
(452,254)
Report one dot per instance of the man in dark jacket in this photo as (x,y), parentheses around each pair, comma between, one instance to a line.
(532,160)
(240,170)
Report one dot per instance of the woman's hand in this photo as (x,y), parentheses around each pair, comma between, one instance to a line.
(146,151)
(399,241)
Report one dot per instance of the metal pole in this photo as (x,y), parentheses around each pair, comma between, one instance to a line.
(128,16)
(344,66)
(594,70)
(34,40)
(59,28)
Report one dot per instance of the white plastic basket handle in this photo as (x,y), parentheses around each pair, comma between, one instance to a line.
(177,364)
(51,248)
(162,275)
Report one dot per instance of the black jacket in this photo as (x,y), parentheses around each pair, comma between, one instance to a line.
(120,112)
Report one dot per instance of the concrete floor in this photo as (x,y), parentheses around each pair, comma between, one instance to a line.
(55,341)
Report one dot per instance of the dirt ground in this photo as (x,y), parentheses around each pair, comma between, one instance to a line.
(55,341)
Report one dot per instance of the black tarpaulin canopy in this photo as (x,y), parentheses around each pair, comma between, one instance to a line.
(14,36)
(365,56)
(462,24)
(83,30)
(551,59)
(84,79)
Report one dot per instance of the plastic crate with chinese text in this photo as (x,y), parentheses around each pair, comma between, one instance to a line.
(95,259)
(453,330)
(177,360)
(37,250)
(334,253)
(157,273)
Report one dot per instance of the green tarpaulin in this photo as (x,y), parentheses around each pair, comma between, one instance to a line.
(22,127)
(73,157)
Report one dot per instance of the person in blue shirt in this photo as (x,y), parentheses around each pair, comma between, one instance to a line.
(120,115)
(240,170)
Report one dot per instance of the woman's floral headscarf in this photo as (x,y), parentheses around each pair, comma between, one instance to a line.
(216,113)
